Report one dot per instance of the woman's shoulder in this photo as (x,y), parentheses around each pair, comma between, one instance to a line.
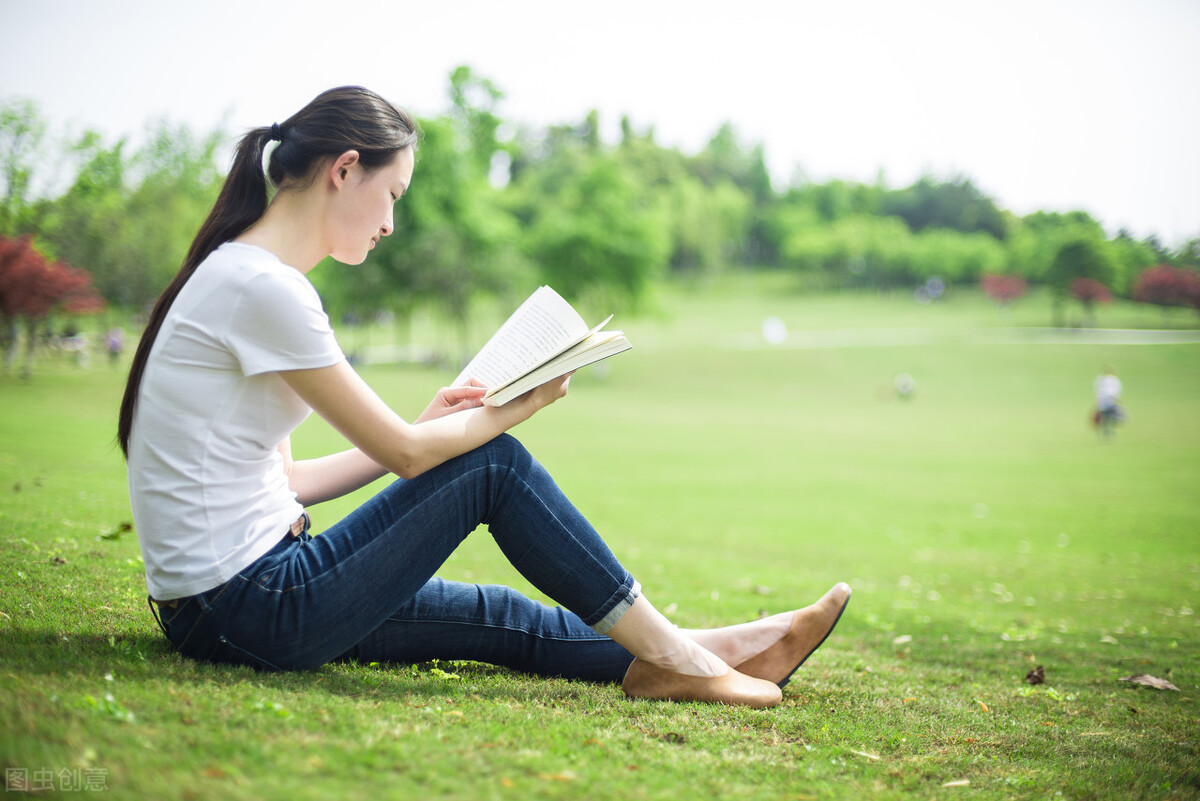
(248,265)
(245,259)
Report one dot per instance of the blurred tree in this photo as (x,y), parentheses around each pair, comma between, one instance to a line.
(727,162)
(31,287)
(86,224)
(707,223)
(1188,254)
(596,240)
(1130,257)
(129,220)
(21,133)
(1036,239)
(858,250)
(473,103)
(955,204)
(954,256)
(1003,289)
(1166,285)
(1089,292)
(597,221)
(1081,258)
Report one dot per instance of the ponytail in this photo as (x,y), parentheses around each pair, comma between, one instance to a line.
(348,118)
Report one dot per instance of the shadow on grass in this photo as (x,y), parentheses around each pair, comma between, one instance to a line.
(138,654)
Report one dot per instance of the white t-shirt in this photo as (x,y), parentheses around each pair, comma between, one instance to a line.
(1108,391)
(206,478)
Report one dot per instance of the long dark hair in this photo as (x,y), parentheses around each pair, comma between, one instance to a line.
(346,118)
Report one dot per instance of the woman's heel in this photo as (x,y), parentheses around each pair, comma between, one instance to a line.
(644,680)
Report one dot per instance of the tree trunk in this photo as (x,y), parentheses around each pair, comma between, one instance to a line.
(31,324)
(9,332)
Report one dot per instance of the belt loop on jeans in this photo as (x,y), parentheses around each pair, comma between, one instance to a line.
(301,525)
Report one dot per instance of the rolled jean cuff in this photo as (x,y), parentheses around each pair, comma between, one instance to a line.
(616,606)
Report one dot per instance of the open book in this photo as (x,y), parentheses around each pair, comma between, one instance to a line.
(543,339)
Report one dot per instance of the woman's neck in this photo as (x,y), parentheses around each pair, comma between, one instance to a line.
(291,229)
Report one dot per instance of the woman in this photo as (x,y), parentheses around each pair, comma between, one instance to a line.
(238,352)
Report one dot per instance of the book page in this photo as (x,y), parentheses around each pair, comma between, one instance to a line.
(596,346)
(542,326)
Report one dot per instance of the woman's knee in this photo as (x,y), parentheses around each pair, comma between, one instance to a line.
(508,452)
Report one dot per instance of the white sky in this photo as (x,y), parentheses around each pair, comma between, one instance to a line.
(1045,104)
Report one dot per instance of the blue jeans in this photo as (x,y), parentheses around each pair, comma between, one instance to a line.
(365,588)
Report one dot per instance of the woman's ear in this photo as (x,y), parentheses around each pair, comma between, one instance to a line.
(339,169)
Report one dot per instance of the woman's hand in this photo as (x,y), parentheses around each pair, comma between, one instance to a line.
(548,393)
(454,399)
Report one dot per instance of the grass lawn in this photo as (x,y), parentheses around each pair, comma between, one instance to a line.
(985,529)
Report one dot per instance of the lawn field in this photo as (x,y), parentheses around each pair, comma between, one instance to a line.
(985,527)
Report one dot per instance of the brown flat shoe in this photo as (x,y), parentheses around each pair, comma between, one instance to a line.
(644,680)
(810,626)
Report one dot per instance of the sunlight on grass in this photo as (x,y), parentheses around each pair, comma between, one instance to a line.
(986,529)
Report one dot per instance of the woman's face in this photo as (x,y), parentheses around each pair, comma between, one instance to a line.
(363,208)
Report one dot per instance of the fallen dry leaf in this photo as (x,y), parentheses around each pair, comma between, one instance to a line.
(565,776)
(1150,681)
(871,757)
(1036,676)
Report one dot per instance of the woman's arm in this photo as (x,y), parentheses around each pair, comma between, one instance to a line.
(339,395)
(327,477)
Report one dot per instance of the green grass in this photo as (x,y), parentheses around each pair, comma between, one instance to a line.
(982,519)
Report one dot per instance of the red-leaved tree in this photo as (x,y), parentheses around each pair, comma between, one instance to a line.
(1089,292)
(1003,289)
(1167,285)
(31,288)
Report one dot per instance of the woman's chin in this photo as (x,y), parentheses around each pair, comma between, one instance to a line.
(352,259)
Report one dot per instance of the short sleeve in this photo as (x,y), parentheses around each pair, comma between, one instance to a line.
(277,323)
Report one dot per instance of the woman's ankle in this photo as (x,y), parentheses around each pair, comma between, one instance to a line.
(649,636)
(737,643)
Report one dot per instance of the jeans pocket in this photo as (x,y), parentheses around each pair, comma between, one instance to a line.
(196,633)
(226,653)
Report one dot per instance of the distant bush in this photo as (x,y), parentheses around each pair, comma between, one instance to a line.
(1003,289)
(1165,285)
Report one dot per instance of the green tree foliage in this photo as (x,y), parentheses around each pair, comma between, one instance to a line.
(22,131)
(129,220)
(1085,258)
(1129,258)
(955,204)
(857,250)
(1188,254)
(488,214)
(596,238)
(1036,239)
(865,250)
(474,102)
(708,212)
